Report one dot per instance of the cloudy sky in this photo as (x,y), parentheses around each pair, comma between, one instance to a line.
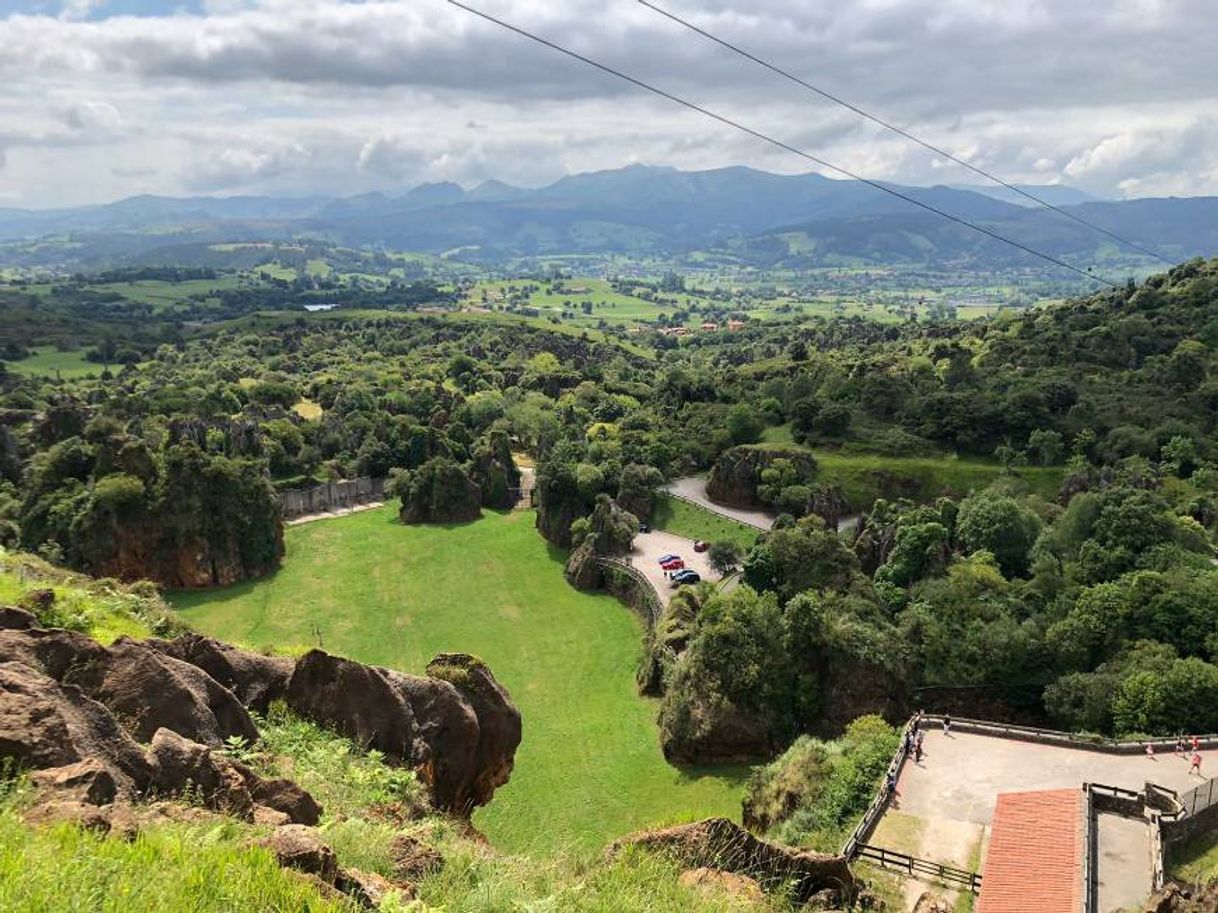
(101,99)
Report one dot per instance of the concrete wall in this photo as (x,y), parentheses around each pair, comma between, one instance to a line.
(331,496)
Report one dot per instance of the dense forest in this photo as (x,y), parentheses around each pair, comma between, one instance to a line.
(1091,605)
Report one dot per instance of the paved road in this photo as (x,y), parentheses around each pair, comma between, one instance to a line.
(648,547)
(693,488)
(961,775)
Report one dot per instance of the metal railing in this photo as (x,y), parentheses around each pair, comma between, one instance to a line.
(653,608)
(1072,740)
(1197,799)
(913,866)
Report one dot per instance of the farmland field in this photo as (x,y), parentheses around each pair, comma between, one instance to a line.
(48,360)
(590,766)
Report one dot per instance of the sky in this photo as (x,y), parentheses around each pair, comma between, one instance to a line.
(102,99)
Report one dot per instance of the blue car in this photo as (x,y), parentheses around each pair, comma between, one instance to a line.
(664,559)
(685,578)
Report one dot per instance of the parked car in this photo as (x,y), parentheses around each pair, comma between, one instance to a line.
(673,564)
(664,558)
(685,578)
(700,546)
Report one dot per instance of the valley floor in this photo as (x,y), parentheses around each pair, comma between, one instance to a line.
(589,768)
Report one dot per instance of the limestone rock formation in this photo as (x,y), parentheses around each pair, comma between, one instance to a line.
(736,475)
(717,843)
(699,731)
(298,847)
(253,678)
(458,727)
(145,689)
(45,724)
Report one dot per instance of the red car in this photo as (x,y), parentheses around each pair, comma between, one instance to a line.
(701,546)
(673,564)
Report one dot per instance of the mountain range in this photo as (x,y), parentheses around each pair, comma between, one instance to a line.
(752,216)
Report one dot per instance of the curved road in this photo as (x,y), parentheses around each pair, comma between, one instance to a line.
(693,488)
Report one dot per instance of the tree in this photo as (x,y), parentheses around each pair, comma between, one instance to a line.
(1045,446)
(724,556)
(744,425)
(1001,526)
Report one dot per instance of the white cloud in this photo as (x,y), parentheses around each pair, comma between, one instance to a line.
(342,97)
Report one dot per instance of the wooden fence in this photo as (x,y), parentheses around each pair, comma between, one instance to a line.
(911,865)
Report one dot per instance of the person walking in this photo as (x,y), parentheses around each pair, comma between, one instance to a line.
(947,725)
(1180,746)
(1195,767)
(1150,751)
(918,749)
(1196,744)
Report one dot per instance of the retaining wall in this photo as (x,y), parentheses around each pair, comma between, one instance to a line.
(298,502)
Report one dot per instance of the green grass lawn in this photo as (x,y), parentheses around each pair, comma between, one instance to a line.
(860,474)
(693,522)
(49,360)
(589,768)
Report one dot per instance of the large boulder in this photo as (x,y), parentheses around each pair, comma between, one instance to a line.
(499,723)
(255,679)
(182,767)
(298,847)
(149,690)
(46,724)
(717,843)
(458,727)
(88,781)
(144,688)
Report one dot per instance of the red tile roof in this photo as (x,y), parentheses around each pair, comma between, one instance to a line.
(1035,860)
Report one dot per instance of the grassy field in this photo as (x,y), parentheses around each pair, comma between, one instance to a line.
(693,522)
(48,361)
(864,476)
(590,766)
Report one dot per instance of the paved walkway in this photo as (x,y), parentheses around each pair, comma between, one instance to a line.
(1123,869)
(331,514)
(648,547)
(947,802)
(962,775)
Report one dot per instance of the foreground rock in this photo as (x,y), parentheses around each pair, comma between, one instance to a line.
(254,679)
(145,688)
(718,844)
(44,724)
(458,727)
(302,849)
(1174,899)
(66,700)
(712,880)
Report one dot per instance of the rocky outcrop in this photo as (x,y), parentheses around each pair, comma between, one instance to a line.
(255,679)
(718,844)
(1175,899)
(702,731)
(302,849)
(494,472)
(45,724)
(142,687)
(499,724)
(65,699)
(458,727)
(736,475)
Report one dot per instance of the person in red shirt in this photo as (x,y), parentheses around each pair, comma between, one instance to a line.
(1196,765)
(1196,744)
